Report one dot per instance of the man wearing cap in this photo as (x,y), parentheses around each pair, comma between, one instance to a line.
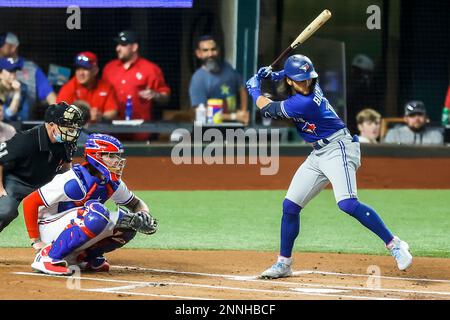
(132,75)
(32,158)
(38,87)
(416,130)
(13,93)
(97,94)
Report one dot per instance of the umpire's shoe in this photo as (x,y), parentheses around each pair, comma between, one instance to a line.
(278,270)
(45,264)
(400,251)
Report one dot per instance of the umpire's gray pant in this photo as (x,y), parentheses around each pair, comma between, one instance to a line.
(16,190)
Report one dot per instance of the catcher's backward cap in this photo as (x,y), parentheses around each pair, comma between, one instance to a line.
(55,114)
(299,68)
(415,106)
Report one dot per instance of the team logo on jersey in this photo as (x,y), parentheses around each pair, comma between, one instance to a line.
(305,67)
(309,128)
(138,75)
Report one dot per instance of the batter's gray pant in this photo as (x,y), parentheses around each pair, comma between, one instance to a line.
(16,190)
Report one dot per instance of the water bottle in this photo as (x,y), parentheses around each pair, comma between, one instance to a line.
(445,119)
(128,108)
(200,114)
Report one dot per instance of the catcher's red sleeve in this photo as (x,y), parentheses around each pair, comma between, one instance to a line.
(31,206)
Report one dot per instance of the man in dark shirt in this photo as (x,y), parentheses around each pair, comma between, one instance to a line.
(32,158)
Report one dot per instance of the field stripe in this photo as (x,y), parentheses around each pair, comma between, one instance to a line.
(367,275)
(147,294)
(254,279)
(112,280)
(283,292)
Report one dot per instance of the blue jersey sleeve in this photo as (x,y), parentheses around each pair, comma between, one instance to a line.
(43,87)
(197,90)
(297,106)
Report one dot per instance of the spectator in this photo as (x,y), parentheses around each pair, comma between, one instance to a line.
(97,94)
(132,75)
(39,89)
(361,88)
(7,131)
(416,130)
(217,79)
(13,93)
(369,124)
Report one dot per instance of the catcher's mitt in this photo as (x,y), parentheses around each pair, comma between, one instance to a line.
(140,221)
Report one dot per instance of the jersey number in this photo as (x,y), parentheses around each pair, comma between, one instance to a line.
(330,108)
(3,152)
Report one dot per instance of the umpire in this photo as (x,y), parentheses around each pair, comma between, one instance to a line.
(32,158)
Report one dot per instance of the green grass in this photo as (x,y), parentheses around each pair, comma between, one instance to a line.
(250,220)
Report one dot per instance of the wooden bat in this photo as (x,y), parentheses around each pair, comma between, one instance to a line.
(304,35)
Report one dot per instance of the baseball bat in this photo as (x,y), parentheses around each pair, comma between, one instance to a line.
(304,35)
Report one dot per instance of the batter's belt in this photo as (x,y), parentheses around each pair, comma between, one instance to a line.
(335,136)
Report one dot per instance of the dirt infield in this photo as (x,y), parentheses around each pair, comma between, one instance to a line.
(197,275)
(159,173)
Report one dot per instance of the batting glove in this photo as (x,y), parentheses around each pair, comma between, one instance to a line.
(254,87)
(267,73)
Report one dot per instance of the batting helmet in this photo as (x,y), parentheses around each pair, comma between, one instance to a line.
(299,68)
(104,152)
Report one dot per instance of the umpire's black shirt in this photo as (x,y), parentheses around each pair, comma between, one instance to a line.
(30,156)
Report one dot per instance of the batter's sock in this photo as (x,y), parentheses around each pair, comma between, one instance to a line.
(367,217)
(290,227)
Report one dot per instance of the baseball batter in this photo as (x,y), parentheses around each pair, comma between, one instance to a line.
(67,221)
(335,158)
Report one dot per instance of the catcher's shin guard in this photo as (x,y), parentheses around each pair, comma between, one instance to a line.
(93,220)
(120,238)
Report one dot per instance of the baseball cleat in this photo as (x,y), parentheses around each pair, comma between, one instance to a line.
(278,270)
(43,263)
(98,264)
(400,251)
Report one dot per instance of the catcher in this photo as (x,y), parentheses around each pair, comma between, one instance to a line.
(67,221)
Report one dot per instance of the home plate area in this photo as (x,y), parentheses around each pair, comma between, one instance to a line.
(199,275)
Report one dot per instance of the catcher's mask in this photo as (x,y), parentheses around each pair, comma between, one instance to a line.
(68,119)
(104,153)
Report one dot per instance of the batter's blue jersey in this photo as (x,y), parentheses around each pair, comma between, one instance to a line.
(313,115)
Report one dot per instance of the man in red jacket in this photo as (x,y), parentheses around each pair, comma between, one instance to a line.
(132,75)
(86,88)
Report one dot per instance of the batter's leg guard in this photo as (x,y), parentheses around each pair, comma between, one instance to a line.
(290,227)
(8,211)
(95,217)
(367,217)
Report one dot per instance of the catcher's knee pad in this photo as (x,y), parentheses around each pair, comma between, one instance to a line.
(290,207)
(94,218)
(348,205)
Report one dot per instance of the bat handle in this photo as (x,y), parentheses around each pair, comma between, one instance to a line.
(281,56)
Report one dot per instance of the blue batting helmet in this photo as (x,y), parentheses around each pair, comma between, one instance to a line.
(99,145)
(299,68)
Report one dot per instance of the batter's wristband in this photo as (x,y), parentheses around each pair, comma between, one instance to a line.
(255,94)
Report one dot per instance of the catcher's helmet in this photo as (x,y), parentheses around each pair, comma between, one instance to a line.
(299,68)
(104,152)
(68,118)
